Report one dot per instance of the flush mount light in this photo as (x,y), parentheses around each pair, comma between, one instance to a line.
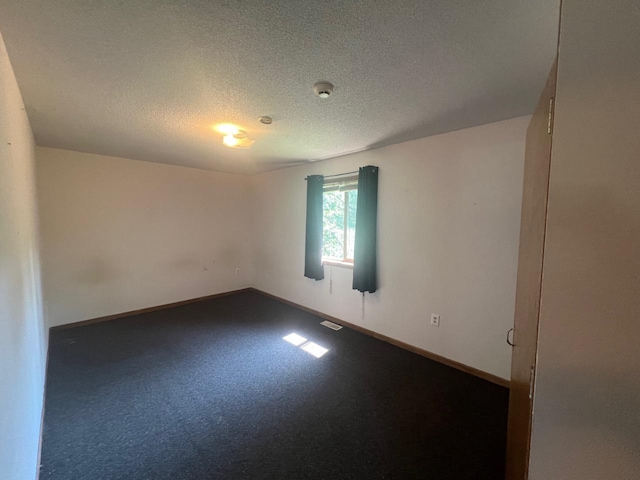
(234,137)
(230,141)
(239,140)
(227,129)
(323,89)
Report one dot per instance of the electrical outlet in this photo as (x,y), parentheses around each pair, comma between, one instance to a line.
(435,320)
(237,271)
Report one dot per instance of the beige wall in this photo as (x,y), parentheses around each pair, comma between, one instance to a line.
(120,235)
(449,219)
(587,403)
(22,336)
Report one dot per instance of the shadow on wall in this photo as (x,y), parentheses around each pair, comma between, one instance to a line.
(449,121)
(604,396)
(590,377)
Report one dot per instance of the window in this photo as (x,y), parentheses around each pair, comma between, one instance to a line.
(339,203)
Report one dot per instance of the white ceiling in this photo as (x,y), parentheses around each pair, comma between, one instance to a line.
(146,79)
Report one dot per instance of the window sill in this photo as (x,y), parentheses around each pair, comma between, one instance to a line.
(337,263)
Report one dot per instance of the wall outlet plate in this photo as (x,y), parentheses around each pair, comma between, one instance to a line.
(435,320)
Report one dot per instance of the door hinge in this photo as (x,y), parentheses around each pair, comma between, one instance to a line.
(550,119)
(531,379)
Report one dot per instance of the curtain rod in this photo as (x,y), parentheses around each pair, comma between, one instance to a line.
(338,174)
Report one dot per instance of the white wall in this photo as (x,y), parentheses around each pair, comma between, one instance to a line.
(120,235)
(448,221)
(22,335)
(587,403)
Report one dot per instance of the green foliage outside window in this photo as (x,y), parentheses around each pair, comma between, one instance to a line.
(338,242)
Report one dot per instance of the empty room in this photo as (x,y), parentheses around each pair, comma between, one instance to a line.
(284,239)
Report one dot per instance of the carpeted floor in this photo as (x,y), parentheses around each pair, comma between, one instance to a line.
(211,391)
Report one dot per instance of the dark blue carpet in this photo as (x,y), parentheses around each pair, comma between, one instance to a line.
(211,391)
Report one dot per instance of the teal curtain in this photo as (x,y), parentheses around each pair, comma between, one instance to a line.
(365,258)
(313,242)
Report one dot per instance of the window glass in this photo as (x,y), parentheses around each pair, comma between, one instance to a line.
(351,222)
(333,224)
(339,223)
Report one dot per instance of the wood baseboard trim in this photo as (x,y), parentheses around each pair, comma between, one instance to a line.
(147,310)
(431,356)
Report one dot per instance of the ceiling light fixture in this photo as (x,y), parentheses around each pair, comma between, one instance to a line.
(266,120)
(237,140)
(234,137)
(230,141)
(227,129)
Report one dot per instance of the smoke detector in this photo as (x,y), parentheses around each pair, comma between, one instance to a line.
(265,120)
(323,89)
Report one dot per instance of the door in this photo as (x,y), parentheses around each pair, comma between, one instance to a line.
(532,233)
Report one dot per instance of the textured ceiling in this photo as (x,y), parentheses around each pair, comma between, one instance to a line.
(146,79)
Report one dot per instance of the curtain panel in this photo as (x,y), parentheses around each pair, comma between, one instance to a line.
(365,257)
(313,241)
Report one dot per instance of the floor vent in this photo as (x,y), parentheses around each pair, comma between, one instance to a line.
(331,325)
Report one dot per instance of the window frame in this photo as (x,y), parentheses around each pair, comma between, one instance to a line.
(343,185)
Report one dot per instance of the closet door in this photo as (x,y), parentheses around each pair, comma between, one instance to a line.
(532,235)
